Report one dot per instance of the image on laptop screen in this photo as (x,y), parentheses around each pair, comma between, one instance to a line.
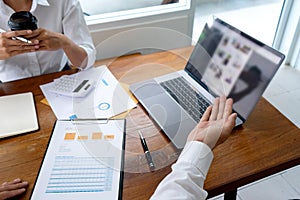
(229,62)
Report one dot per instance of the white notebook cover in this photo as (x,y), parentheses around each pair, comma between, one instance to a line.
(17,114)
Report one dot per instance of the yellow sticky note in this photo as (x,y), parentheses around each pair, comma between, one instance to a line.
(44,101)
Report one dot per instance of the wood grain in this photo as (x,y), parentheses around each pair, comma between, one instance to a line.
(266,144)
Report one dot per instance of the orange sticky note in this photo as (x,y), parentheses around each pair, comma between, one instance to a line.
(109,137)
(70,136)
(97,136)
(82,137)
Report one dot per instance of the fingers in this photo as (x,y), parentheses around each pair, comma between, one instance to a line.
(222,108)
(17,180)
(232,119)
(37,32)
(13,185)
(12,193)
(22,33)
(215,110)
(230,123)
(216,123)
(11,34)
(222,103)
(206,115)
(228,108)
(16,45)
(9,48)
(12,188)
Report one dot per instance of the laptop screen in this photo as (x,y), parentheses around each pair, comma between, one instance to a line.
(229,62)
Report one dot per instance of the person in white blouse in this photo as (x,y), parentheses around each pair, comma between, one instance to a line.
(62,37)
(188,173)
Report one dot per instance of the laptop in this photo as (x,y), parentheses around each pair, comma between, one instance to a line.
(225,61)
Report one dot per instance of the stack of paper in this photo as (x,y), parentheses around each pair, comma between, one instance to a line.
(106,100)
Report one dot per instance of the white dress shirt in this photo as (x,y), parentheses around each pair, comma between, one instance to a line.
(188,174)
(62,16)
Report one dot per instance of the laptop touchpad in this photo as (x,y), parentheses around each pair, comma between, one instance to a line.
(146,89)
(164,110)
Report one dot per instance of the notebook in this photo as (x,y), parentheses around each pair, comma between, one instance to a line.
(18,114)
(225,61)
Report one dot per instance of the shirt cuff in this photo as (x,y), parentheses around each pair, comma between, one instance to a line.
(91,56)
(198,154)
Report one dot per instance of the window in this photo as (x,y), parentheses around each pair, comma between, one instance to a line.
(287,37)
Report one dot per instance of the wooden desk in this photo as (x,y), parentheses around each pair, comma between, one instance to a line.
(267,143)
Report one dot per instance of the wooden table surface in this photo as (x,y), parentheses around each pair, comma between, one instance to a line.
(266,144)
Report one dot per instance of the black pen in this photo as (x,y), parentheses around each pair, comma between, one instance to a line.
(147,153)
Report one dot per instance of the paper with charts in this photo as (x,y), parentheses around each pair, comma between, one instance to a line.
(106,100)
(84,160)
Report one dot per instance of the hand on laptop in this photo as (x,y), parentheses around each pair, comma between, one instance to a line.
(13,188)
(216,123)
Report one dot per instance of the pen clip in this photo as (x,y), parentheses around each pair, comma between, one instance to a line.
(140,134)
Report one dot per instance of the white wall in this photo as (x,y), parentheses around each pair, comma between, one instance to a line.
(142,30)
(94,7)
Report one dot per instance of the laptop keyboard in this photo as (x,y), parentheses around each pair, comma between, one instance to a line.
(186,97)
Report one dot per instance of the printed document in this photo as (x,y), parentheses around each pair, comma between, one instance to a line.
(106,100)
(84,160)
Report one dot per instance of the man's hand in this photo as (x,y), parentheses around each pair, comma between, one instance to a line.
(216,123)
(13,188)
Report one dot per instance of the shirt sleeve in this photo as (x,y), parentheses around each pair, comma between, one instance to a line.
(76,29)
(188,174)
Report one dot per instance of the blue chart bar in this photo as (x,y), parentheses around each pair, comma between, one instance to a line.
(81,174)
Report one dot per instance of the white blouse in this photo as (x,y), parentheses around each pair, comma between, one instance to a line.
(63,16)
(188,174)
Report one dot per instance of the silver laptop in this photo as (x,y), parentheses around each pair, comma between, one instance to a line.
(225,61)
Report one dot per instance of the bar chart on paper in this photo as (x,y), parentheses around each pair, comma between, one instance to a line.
(84,160)
(80,174)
